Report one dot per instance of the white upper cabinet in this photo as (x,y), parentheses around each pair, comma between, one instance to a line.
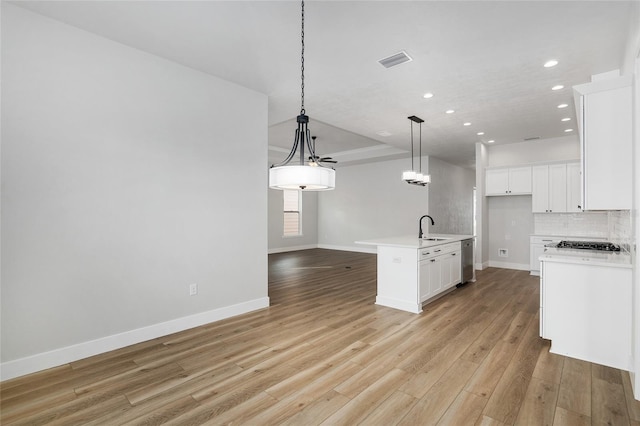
(508,181)
(574,190)
(553,190)
(604,110)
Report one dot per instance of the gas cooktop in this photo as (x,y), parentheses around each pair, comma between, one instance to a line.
(588,245)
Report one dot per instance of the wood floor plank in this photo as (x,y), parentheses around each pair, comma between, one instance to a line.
(608,405)
(358,408)
(633,406)
(391,410)
(430,408)
(506,400)
(564,417)
(549,366)
(319,410)
(539,405)
(465,410)
(471,357)
(575,387)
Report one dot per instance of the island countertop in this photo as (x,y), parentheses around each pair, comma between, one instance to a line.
(412,241)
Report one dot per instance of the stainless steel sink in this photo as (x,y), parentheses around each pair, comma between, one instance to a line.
(435,239)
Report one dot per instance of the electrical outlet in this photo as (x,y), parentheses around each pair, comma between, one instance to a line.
(397,259)
(193,289)
(503,252)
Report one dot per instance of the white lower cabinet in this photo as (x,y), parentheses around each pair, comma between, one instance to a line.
(585,310)
(536,248)
(439,270)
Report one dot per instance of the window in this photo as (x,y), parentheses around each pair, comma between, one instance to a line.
(291,213)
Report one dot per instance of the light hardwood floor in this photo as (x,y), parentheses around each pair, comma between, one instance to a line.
(324,353)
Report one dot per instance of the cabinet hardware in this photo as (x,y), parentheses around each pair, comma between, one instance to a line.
(436,251)
(433,260)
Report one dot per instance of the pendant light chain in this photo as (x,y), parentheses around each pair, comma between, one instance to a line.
(302,111)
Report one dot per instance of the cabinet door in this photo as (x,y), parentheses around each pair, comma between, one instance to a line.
(540,189)
(520,180)
(606,149)
(558,188)
(424,276)
(447,261)
(435,276)
(574,191)
(456,268)
(497,182)
(536,251)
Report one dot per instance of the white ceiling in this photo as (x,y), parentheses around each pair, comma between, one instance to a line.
(481,58)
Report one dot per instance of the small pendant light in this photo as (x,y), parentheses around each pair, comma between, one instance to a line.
(411,176)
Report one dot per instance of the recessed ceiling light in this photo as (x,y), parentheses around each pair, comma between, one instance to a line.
(428,95)
(568,130)
(563,105)
(565,119)
(480,133)
(466,124)
(449,111)
(550,63)
(491,141)
(557,87)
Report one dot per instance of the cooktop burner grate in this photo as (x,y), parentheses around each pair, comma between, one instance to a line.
(589,245)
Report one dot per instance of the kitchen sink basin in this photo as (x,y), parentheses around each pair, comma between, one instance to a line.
(435,239)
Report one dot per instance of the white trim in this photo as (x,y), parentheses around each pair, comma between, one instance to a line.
(481,265)
(508,265)
(292,248)
(57,357)
(415,308)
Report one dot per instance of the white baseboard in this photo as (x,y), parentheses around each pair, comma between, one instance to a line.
(481,265)
(508,265)
(57,357)
(399,304)
(293,248)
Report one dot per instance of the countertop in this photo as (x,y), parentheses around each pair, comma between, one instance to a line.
(587,257)
(412,241)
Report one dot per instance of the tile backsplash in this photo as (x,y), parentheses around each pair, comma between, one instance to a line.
(614,226)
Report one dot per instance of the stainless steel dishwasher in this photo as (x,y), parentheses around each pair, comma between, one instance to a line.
(468,271)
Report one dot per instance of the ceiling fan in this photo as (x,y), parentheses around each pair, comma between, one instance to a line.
(317,158)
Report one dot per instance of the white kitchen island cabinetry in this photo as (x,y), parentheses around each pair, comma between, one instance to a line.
(508,181)
(413,271)
(440,269)
(585,306)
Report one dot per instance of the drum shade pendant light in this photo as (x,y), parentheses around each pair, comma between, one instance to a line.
(411,176)
(302,175)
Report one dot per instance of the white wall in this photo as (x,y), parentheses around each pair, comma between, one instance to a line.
(566,148)
(370,201)
(482,209)
(502,212)
(125,178)
(451,197)
(309,218)
(510,225)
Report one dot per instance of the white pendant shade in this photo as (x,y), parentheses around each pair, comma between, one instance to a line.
(409,175)
(306,178)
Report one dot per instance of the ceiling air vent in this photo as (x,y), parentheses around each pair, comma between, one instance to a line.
(533,138)
(397,59)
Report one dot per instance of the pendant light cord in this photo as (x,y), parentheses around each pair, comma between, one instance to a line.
(302,111)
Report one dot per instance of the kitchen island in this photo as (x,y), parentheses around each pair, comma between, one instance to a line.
(413,271)
(586,305)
